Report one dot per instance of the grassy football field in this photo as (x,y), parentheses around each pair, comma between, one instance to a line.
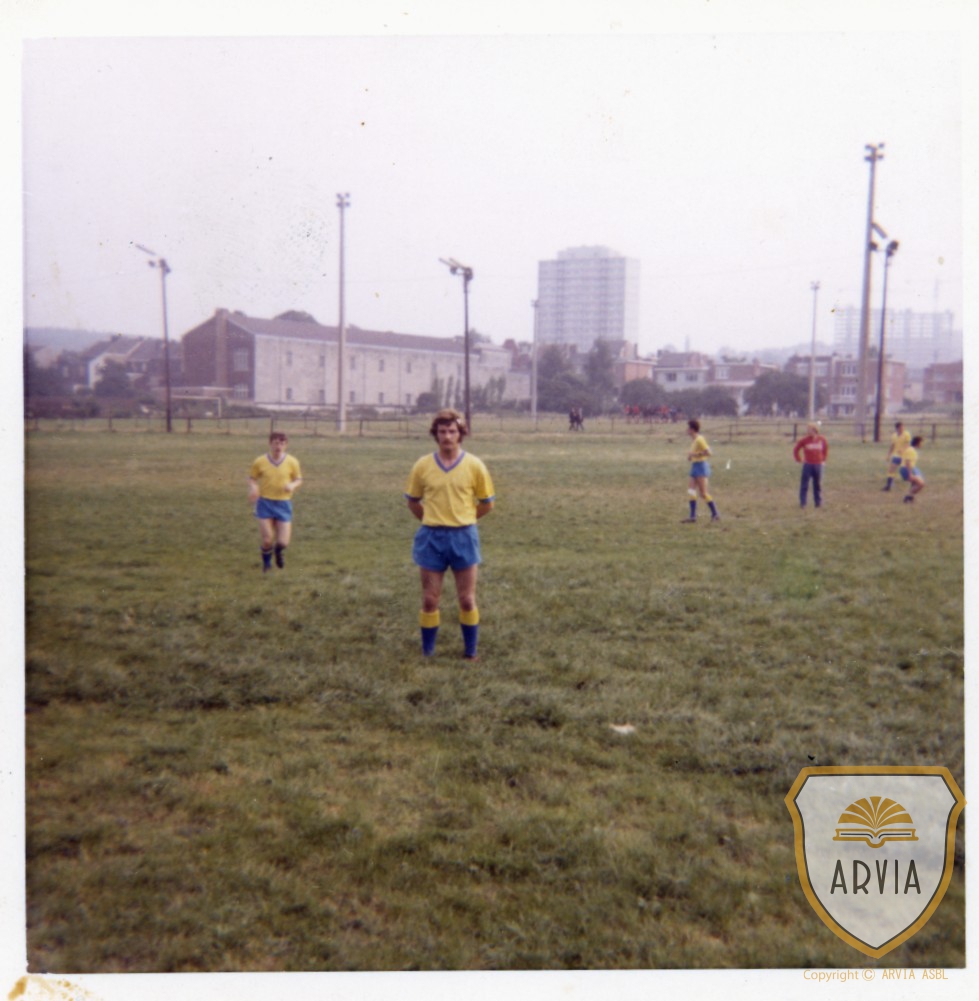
(231,771)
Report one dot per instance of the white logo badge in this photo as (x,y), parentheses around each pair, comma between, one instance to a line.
(875,848)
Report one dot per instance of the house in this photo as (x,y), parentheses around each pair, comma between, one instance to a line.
(736,375)
(675,370)
(943,383)
(291,361)
(142,357)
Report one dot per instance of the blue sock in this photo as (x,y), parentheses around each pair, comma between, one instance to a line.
(470,638)
(429,636)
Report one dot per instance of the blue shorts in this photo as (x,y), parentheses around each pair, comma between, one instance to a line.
(895,460)
(277,510)
(906,475)
(438,548)
(700,468)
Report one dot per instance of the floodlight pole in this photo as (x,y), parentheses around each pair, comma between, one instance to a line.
(812,355)
(343,203)
(164,271)
(456,268)
(888,254)
(873,155)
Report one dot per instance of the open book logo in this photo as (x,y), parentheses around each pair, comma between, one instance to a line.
(876,872)
(876,821)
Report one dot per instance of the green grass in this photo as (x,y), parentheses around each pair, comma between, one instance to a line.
(235,771)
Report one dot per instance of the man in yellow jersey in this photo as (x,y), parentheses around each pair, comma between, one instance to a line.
(448,491)
(900,440)
(699,473)
(273,479)
(910,472)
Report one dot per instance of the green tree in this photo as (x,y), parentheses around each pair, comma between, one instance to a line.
(113,382)
(778,394)
(600,374)
(552,362)
(643,393)
(40,381)
(717,402)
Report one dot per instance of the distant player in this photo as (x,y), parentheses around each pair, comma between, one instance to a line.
(910,472)
(699,473)
(900,440)
(812,451)
(448,491)
(273,479)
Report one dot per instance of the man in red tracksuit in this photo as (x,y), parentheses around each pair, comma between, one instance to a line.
(812,452)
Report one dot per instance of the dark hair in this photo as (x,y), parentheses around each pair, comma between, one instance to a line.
(276,435)
(693,424)
(916,441)
(448,416)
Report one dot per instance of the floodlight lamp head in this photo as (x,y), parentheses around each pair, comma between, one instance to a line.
(892,248)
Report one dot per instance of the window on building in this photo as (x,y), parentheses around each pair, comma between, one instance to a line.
(322,361)
(239,360)
(408,399)
(720,372)
(408,367)
(322,396)
(289,393)
(380,398)
(380,365)
(693,377)
(241,391)
(289,358)
(671,376)
(353,362)
(353,397)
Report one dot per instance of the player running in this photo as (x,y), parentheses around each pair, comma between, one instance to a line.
(910,472)
(273,479)
(812,451)
(448,491)
(699,473)
(900,440)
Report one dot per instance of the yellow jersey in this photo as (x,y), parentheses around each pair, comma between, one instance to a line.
(272,477)
(900,442)
(699,450)
(449,494)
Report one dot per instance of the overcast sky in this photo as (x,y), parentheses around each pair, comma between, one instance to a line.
(731,165)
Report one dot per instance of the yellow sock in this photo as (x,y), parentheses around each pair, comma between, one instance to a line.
(429,620)
(470,618)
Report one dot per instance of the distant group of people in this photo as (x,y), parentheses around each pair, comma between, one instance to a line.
(635,414)
(449,490)
(576,419)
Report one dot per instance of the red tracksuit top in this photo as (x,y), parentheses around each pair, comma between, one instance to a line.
(814,449)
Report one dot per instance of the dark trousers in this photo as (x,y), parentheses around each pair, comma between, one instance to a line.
(811,471)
